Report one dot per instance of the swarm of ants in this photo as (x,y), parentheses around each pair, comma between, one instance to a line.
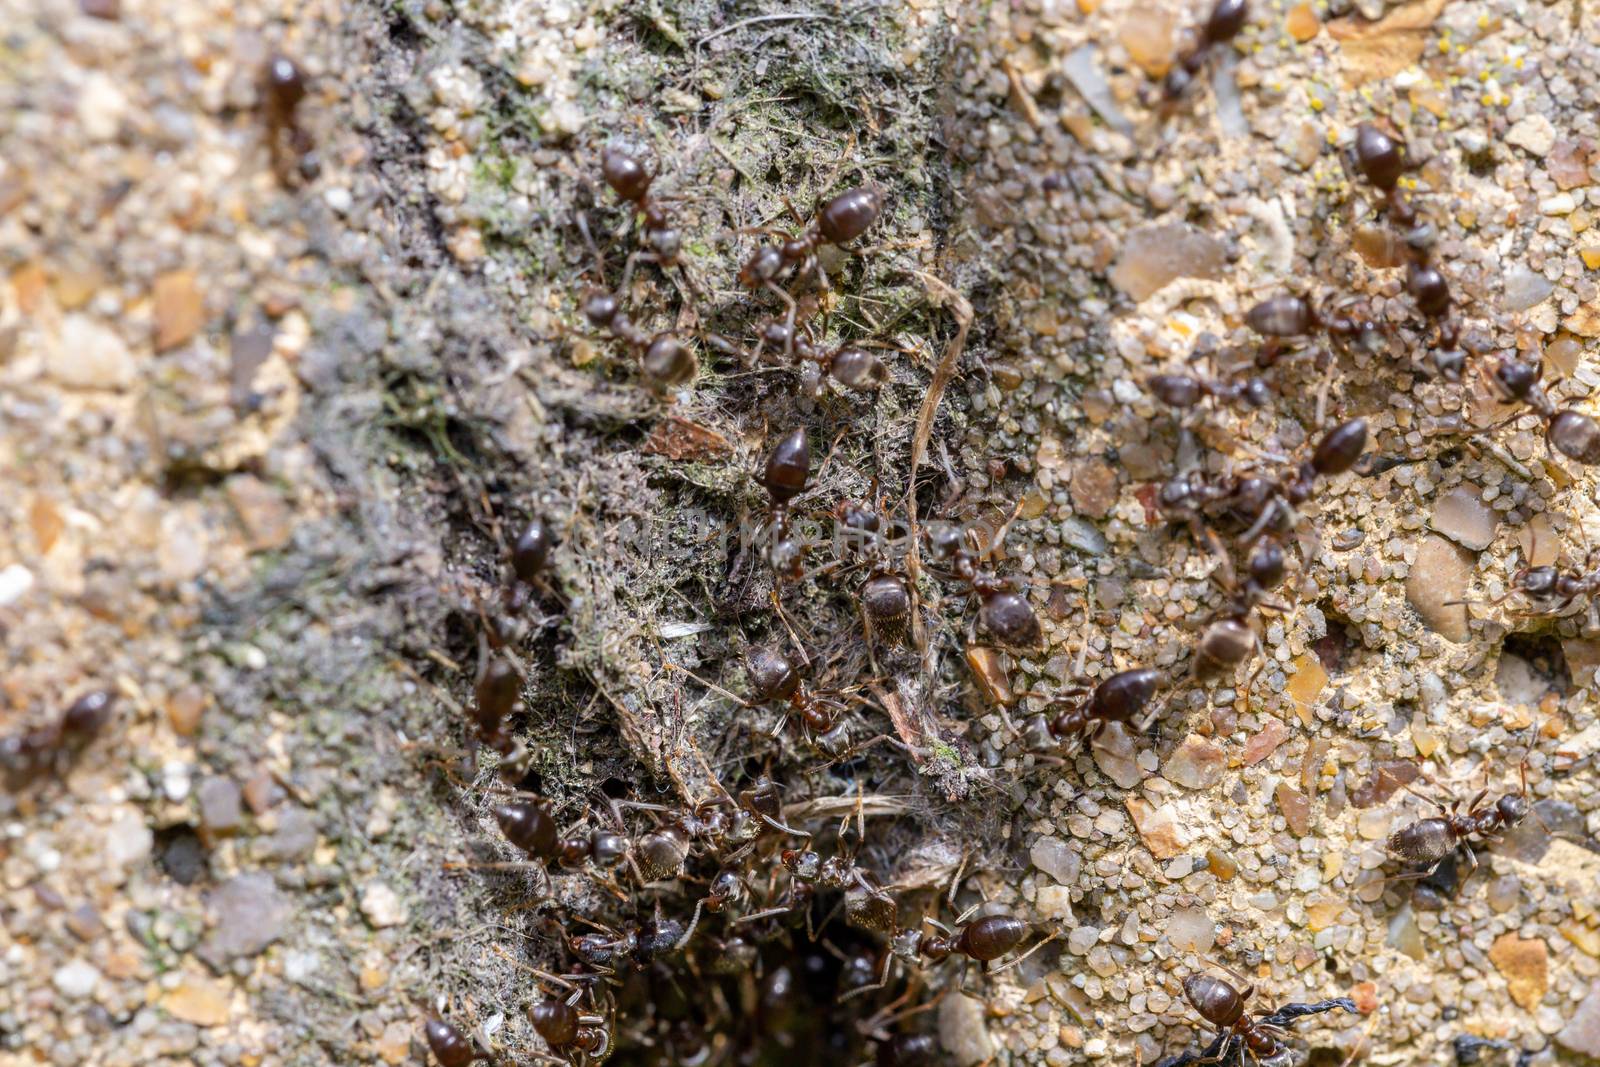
(739,926)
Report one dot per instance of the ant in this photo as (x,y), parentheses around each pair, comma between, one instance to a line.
(283,87)
(1227,18)
(1286,315)
(1231,637)
(1119,698)
(564,1027)
(640,944)
(774,678)
(25,755)
(631,180)
(837,222)
(1427,842)
(983,940)
(1381,159)
(784,477)
(866,903)
(1184,391)
(1003,610)
(664,359)
(1262,1036)
(1258,502)
(450,1046)
(1570,432)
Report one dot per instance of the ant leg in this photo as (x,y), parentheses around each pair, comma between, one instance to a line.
(627,269)
(669,665)
(788,321)
(883,980)
(1042,943)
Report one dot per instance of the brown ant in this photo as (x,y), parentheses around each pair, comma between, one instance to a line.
(1002,610)
(837,222)
(631,180)
(773,678)
(1262,1036)
(665,360)
(1427,842)
(1258,502)
(1184,391)
(567,1030)
(26,755)
(785,476)
(291,146)
(983,940)
(1231,637)
(450,1046)
(1227,18)
(1568,431)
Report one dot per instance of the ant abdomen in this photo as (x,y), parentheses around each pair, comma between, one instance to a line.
(991,937)
(1011,619)
(788,467)
(556,1021)
(531,554)
(1423,842)
(1575,435)
(849,215)
(529,827)
(449,1046)
(1217,1002)
(1223,645)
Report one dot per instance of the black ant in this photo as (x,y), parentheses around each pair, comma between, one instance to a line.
(1278,318)
(773,678)
(837,222)
(283,88)
(1227,18)
(982,940)
(1120,698)
(1261,1036)
(26,755)
(1427,842)
(1381,159)
(1002,610)
(1570,432)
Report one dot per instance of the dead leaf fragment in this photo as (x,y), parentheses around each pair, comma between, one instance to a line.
(1372,51)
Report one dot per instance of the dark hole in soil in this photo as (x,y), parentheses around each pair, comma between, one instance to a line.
(180,854)
(1531,665)
(1336,648)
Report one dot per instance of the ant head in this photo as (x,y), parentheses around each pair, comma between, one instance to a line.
(1512,808)
(1538,581)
